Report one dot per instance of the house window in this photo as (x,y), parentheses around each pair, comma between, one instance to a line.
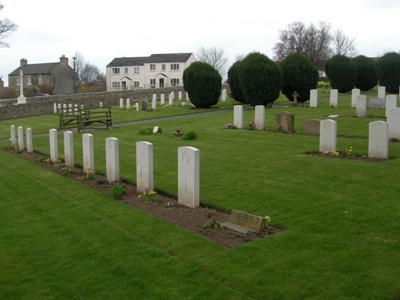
(174,81)
(40,79)
(153,83)
(126,70)
(163,67)
(18,80)
(135,70)
(116,85)
(174,66)
(152,67)
(136,84)
(115,70)
(28,81)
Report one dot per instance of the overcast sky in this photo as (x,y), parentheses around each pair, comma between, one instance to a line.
(126,28)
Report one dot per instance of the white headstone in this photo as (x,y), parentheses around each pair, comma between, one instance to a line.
(361,107)
(393,120)
(21,138)
(59,106)
(21,98)
(101,104)
(391,102)
(381,92)
(173,95)
(69,149)
(154,97)
(187,96)
(153,104)
(53,145)
(162,99)
(136,106)
(180,95)
(327,135)
(333,100)
(259,117)
(29,144)
(223,96)
(65,110)
(144,166)
(70,108)
(55,108)
(13,136)
(128,103)
(354,95)
(378,140)
(314,98)
(112,159)
(189,176)
(88,152)
(238,116)
(170,99)
(76,109)
(183,103)
(121,103)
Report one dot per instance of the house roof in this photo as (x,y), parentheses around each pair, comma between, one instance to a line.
(33,69)
(154,58)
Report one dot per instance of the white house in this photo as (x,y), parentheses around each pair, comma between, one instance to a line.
(156,70)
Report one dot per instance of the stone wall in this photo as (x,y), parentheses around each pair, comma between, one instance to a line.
(45,105)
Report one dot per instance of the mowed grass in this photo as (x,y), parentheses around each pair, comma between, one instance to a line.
(341,218)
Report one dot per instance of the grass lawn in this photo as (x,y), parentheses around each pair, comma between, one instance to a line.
(61,240)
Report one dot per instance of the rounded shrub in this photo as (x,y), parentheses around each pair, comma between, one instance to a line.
(388,70)
(299,75)
(234,83)
(203,84)
(260,78)
(342,73)
(366,73)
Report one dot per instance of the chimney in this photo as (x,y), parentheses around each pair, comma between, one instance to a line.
(64,60)
(23,62)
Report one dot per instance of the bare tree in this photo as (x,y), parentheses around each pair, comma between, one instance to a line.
(6,27)
(215,57)
(313,42)
(343,44)
(87,73)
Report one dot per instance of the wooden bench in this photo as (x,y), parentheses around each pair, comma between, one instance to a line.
(85,117)
(242,223)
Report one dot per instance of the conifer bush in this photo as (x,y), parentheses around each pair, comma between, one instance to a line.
(342,73)
(299,75)
(388,70)
(366,73)
(203,84)
(260,78)
(234,82)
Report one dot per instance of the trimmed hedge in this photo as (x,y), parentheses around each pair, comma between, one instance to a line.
(388,70)
(366,73)
(342,73)
(234,82)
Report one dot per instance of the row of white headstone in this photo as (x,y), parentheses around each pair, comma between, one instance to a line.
(188,161)
(378,139)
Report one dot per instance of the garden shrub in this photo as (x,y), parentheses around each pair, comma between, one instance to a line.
(366,73)
(190,135)
(234,82)
(299,75)
(388,70)
(260,78)
(203,84)
(342,73)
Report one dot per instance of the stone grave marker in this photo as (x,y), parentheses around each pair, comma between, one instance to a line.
(327,136)
(391,102)
(378,140)
(13,136)
(144,105)
(29,143)
(53,145)
(136,106)
(333,98)
(55,108)
(112,159)
(260,117)
(361,107)
(88,152)
(223,96)
(153,104)
(238,116)
(377,103)
(69,149)
(314,98)
(393,121)
(20,131)
(121,103)
(381,92)
(244,223)
(295,95)
(189,176)
(128,103)
(144,166)
(354,95)
(170,99)
(285,122)
(21,99)
(173,95)
(180,95)
(311,127)
(162,99)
